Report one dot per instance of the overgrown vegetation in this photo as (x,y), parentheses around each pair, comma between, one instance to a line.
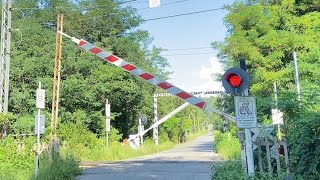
(266,33)
(59,168)
(16,156)
(232,170)
(227,145)
(228,170)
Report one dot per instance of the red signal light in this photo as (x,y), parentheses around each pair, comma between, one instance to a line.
(234,80)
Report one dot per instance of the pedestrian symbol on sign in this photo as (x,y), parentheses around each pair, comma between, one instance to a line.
(245,108)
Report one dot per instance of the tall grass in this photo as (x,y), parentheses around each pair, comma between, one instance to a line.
(115,151)
(16,163)
(59,168)
(20,164)
(227,146)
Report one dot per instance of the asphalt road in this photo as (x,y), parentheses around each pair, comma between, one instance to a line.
(188,161)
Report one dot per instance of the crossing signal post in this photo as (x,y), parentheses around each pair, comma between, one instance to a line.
(236,82)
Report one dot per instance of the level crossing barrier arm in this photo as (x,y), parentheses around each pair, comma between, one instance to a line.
(134,70)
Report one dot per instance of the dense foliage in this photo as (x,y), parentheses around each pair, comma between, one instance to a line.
(232,170)
(86,83)
(266,33)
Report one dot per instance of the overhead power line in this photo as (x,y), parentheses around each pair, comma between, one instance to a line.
(63,7)
(164,17)
(100,6)
(166,4)
(132,1)
(184,14)
(186,54)
(183,49)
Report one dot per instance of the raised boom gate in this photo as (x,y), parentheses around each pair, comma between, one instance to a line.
(151,79)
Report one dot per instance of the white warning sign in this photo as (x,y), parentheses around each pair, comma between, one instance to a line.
(154,3)
(277,116)
(245,111)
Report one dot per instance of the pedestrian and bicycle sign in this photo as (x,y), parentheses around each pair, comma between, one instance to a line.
(245,111)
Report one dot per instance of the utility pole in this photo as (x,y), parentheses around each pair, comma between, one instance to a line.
(54,143)
(5,54)
(56,76)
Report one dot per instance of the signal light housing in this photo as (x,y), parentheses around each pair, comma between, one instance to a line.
(235,81)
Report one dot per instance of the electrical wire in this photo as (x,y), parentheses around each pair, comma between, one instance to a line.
(184,14)
(132,1)
(166,4)
(160,18)
(95,6)
(86,18)
(175,2)
(186,54)
(183,49)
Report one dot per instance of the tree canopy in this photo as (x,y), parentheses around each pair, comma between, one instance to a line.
(86,82)
(266,33)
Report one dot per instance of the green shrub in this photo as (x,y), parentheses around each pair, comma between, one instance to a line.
(23,124)
(176,129)
(14,159)
(232,170)
(303,134)
(227,170)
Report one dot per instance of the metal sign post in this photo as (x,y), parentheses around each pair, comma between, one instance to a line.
(40,104)
(246,116)
(108,114)
(247,111)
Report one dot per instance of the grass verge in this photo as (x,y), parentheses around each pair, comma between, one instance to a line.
(65,168)
(227,145)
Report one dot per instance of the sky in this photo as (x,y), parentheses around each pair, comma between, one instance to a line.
(191,72)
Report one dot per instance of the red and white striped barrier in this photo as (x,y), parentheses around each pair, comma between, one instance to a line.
(134,70)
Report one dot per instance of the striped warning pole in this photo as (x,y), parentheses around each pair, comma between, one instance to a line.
(222,111)
(155,129)
(134,70)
